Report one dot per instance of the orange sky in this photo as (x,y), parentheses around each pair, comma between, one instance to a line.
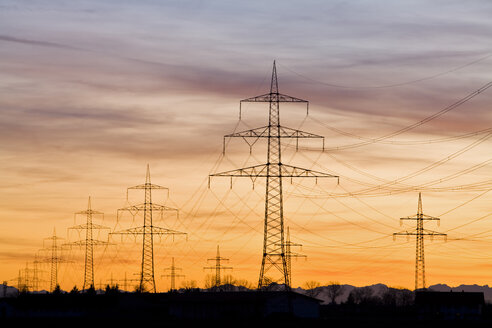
(90,93)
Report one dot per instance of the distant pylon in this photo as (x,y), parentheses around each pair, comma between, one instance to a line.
(148,231)
(289,254)
(420,233)
(173,274)
(274,170)
(27,278)
(89,242)
(54,259)
(112,282)
(125,281)
(35,277)
(218,267)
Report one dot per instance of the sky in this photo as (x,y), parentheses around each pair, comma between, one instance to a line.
(93,91)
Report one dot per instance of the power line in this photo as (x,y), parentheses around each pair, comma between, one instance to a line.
(392,85)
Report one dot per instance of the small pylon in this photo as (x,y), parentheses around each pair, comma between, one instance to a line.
(35,278)
(89,242)
(218,267)
(289,255)
(173,274)
(147,231)
(54,259)
(420,233)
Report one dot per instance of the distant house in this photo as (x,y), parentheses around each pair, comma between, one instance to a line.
(449,305)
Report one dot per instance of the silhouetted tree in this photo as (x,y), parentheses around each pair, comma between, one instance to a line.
(111,290)
(91,290)
(74,290)
(57,290)
(189,285)
(244,283)
(311,288)
(334,290)
(362,295)
(405,297)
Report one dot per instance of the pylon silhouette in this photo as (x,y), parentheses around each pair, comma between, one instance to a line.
(420,233)
(147,231)
(218,267)
(89,242)
(274,256)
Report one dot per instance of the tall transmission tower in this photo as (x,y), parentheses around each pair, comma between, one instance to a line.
(274,257)
(218,267)
(420,233)
(148,231)
(173,274)
(89,242)
(54,259)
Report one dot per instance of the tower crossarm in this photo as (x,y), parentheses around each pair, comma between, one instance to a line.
(146,230)
(88,226)
(148,186)
(92,242)
(173,275)
(274,96)
(286,171)
(143,207)
(218,258)
(421,217)
(262,132)
(299,172)
(214,268)
(57,259)
(250,172)
(425,232)
(89,212)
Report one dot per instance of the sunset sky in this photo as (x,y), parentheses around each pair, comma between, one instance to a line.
(93,91)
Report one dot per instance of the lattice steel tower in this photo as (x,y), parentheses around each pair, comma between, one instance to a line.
(420,233)
(148,231)
(274,170)
(89,242)
(289,254)
(173,274)
(218,267)
(54,259)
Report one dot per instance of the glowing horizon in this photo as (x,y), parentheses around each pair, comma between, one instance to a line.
(89,97)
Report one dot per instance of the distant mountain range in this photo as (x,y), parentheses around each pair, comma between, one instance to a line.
(379,289)
(322,292)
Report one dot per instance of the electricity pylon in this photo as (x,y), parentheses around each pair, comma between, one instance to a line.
(89,242)
(35,277)
(420,233)
(148,231)
(173,274)
(112,282)
(218,267)
(125,281)
(289,254)
(28,279)
(274,170)
(54,259)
